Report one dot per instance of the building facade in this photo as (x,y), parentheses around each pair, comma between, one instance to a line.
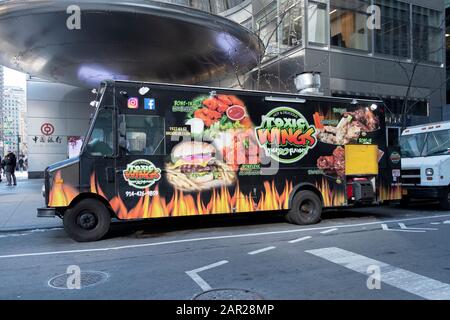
(1,111)
(58,117)
(379,49)
(14,106)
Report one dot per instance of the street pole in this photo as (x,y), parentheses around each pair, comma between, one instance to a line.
(18,146)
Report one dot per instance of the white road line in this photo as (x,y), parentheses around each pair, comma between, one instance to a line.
(385,228)
(403,226)
(446,222)
(199,280)
(236,236)
(300,239)
(261,250)
(402,279)
(328,231)
(435,223)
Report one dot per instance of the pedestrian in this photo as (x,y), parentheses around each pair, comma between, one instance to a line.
(21,164)
(10,168)
(1,168)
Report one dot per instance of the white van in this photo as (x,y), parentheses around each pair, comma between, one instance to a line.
(426,163)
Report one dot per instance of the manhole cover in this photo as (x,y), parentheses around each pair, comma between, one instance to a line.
(87,279)
(228,294)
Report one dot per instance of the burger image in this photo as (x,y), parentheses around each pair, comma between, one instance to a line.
(194,167)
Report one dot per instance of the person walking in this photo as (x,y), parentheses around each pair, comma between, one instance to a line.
(21,164)
(10,168)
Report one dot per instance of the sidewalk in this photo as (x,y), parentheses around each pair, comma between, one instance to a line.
(18,205)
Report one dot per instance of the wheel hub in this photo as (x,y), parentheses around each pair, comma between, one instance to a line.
(87,220)
(306,207)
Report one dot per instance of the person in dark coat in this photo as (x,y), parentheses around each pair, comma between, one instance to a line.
(2,162)
(10,168)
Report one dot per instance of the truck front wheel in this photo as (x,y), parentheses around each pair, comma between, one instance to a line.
(306,208)
(88,220)
(445,200)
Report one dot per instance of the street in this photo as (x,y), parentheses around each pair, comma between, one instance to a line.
(259,253)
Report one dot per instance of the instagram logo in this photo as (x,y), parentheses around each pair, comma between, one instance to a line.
(133,103)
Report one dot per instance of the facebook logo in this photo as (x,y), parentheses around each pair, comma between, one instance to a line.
(149,104)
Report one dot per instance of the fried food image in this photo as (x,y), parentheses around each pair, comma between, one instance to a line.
(350,127)
(334,164)
(216,107)
(194,167)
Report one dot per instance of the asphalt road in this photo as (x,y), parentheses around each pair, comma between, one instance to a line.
(407,249)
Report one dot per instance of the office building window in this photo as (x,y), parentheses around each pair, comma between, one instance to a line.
(292,15)
(394,37)
(317,22)
(428,27)
(266,29)
(348,24)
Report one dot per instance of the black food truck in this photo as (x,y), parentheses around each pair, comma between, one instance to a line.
(161,150)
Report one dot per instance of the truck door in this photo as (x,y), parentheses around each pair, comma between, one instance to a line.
(142,148)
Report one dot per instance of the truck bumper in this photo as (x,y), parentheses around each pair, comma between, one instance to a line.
(46,212)
(426,192)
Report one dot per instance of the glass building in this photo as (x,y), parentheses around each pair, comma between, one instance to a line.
(380,49)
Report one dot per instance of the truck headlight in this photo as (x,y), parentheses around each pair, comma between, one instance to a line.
(429,172)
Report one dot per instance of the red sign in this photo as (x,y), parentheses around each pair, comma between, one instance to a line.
(47,129)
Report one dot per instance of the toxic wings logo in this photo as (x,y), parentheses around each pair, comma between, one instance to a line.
(285,135)
(141,174)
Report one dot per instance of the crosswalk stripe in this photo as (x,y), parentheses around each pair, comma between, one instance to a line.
(403,279)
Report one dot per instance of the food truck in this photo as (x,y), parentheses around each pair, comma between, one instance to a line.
(162,150)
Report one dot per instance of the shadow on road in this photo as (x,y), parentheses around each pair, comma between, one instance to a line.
(157,227)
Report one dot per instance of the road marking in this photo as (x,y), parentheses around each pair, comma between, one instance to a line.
(446,222)
(402,279)
(199,280)
(27,233)
(300,239)
(386,228)
(435,223)
(404,227)
(261,250)
(236,236)
(328,231)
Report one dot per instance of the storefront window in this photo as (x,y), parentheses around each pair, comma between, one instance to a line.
(317,22)
(394,37)
(428,27)
(348,24)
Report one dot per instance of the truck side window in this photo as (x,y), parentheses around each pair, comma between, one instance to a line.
(101,140)
(141,135)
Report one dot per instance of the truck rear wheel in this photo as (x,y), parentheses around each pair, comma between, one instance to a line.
(306,208)
(445,200)
(88,220)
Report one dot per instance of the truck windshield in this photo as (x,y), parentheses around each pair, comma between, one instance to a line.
(438,143)
(412,145)
(425,144)
(100,142)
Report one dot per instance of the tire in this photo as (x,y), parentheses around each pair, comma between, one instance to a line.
(306,208)
(88,220)
(445,201)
